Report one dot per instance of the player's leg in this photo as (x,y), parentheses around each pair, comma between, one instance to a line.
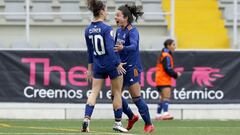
(134,90)
(91,101)
(166,94)
(159,105)
(127,110)
(132,118)
(116,84)
(132,81)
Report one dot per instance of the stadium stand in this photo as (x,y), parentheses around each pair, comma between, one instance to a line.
(121,2)
(157,44)
(228,13)
(150,23)
(227,7)
(42,6)
(152,6)
(198,24)
(57,25)
(20,44)
(48,45)
(2,45)
(14,6)
(70,6)
(77,44)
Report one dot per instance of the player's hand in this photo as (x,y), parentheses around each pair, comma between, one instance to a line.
(120,69)
(179,74)
(118,47)
(89,76)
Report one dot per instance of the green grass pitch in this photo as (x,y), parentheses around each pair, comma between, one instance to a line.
(104,127)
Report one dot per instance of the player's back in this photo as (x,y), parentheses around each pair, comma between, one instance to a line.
(100,43)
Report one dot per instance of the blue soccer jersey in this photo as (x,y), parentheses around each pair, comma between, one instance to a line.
(129,38)
(100,44)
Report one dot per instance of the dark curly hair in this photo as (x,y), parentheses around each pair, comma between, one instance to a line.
(130,11)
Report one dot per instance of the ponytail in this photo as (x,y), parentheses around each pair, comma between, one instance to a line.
(130,11)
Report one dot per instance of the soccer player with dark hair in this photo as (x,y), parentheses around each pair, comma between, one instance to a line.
(127,44)
(164,74)
(102,62)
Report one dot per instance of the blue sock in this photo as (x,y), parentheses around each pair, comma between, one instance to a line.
(159,108)
(126,109)
(143,110)
(88,110)
(118,114)
(165,104)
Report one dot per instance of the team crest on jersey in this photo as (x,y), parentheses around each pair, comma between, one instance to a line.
(124,36)
(135,72)
(111,33)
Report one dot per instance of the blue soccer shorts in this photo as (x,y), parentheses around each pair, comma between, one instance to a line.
(104,74)
(131,77)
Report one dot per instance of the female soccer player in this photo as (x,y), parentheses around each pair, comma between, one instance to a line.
(164,73)
(127,44)
(103,62)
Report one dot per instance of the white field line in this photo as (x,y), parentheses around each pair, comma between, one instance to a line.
(3,125)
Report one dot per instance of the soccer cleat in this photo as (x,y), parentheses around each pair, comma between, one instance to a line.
(148,128)
(85,126)
(119,127)
(166,117)
(132,122)
(158,117)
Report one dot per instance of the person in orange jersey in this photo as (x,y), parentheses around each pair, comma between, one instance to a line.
(164,74)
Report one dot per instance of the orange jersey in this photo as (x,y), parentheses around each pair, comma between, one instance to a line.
(162,78)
